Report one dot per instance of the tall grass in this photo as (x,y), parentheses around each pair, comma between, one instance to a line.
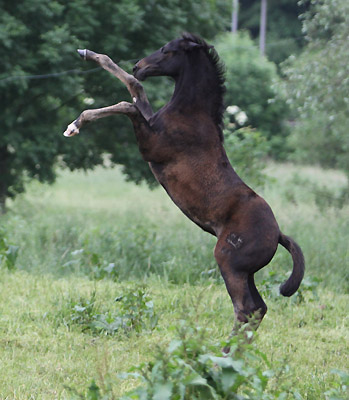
(141,232)
(96,221)
(92,239)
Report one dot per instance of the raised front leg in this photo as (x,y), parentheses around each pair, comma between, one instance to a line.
(134,87)
(91,115)
(148,141)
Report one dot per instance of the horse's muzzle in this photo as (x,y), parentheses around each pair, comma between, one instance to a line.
(137,72)
(135,69)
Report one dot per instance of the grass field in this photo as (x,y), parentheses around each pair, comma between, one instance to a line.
(92,238)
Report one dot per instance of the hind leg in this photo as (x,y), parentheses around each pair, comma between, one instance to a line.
(258,301)
(235,269)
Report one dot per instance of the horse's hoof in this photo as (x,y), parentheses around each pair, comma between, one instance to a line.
(82,53)
(71,130)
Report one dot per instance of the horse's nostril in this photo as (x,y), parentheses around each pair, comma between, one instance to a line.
(135,68)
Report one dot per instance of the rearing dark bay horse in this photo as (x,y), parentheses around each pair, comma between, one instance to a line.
(183,144)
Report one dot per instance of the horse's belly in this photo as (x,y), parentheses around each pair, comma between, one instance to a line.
(193,195)
(195,208)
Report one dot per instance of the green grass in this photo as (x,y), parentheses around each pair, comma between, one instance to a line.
(43,352)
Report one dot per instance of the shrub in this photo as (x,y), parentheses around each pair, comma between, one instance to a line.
(341,391)
(94,263)
(249,83)
(194,368)
(316,86)
(269,288)
(247,150)
(8,252)
(134,312)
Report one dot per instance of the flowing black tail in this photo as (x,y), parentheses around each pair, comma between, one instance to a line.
(289,287)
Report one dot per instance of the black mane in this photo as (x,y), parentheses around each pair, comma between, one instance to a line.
(219,70)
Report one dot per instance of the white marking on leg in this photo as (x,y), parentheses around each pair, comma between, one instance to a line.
(83,53)
(71,130)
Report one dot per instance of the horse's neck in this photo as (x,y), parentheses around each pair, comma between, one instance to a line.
(195,88)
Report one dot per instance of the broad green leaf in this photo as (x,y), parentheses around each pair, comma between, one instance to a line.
(228,379)
(162,391)
(174,345)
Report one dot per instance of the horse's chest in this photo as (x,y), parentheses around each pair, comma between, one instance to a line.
(180,133)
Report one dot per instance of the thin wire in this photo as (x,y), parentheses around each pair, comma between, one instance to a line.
(58,74)
(53,75)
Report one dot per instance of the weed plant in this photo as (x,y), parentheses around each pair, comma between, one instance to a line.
(132,311)
(194,367)
(8,252)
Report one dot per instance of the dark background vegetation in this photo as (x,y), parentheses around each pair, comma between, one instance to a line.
(299,105)
(39,38)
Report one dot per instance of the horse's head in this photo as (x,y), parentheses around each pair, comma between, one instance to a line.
(167,61)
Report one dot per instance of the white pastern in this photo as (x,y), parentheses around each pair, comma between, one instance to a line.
(71,130)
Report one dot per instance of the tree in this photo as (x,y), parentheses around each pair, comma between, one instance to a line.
(40,38)
(249,83)
(284,30)
(317,86)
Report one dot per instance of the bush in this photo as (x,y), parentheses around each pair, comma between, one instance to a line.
(134,312)
(249,83)
(316,86)
(247,151)
(8,252)
(341,391)
(191,369)
(194,368)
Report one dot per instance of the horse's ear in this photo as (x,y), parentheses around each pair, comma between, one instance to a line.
(188,46)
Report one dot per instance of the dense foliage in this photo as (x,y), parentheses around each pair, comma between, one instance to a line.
(317,86)
(249,83)
(247,150)
(192,368)
(39,38)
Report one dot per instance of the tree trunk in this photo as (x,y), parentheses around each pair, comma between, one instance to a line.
(3,180)
(234,17)
(2,205)
(263,27)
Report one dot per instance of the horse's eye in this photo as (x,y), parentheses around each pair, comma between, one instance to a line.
(165,50)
